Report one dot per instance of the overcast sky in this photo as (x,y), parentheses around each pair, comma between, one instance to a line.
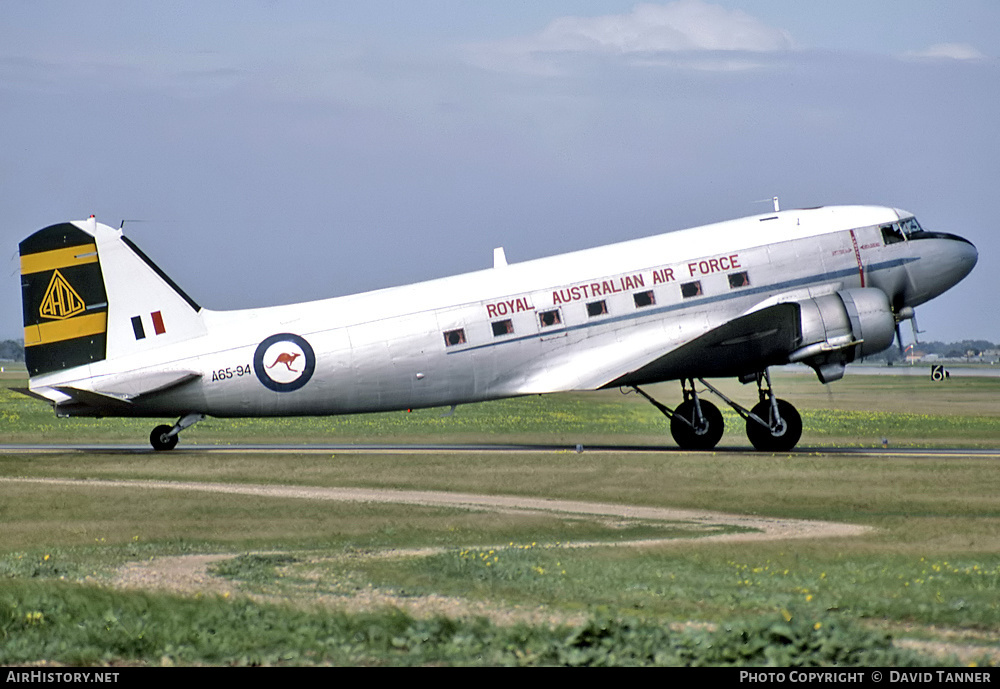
(271,152)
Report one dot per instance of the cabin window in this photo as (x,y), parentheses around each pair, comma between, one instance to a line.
(504,327)
(644,299)
(691,289)
(454,337)
(740,279)
(597,308)
(549,318)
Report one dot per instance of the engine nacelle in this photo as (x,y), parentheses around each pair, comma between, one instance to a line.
(839,328)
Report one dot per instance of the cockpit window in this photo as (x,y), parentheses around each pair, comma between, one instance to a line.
(910,226)
(892,234)
(900,231)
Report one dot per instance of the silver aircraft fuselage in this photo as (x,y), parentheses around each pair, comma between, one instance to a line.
(718,300)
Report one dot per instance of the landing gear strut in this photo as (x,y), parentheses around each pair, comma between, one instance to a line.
(166,437)
(773,425)
(695,424)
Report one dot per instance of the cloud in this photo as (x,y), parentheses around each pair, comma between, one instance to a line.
(683,27)
(947,51)
(678,26)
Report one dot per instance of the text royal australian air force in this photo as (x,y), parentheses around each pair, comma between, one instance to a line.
(613,285)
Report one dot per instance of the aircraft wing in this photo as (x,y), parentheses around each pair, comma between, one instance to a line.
(746,344)
(580,368)
(776,331)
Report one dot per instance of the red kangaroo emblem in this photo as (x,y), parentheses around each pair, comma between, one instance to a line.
(286,359)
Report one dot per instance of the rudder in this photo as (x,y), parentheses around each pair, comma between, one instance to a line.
(65,306)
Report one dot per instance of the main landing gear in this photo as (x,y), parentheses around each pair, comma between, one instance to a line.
(772,425)
(166,437)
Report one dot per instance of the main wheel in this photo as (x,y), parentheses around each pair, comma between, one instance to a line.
(775,439)
(696,436)
(160,440)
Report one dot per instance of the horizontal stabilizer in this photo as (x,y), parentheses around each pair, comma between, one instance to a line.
(95,400)
(121,390)
(29,393)
(130,386)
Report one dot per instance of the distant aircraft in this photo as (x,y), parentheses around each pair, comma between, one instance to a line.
(107,333)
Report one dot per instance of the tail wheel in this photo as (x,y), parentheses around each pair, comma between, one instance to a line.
(160,440)
(775,437)
(695,436)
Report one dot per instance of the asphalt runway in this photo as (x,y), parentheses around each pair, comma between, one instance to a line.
(923,370)
(321,448)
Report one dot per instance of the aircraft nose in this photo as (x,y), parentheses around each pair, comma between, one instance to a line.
(943,261)
(965,257)
(956,257)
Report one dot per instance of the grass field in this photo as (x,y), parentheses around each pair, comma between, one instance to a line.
(858,411)
(308,581)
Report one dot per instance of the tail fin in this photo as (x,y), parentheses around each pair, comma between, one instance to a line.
(63,298)
(90,294)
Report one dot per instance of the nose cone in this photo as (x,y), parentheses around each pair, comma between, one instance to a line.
(945,260)
(961,256)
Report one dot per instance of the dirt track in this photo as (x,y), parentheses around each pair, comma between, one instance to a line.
(767,528)
(188,573)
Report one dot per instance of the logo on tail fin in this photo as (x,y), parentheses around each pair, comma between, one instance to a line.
(273,362)
(60,301)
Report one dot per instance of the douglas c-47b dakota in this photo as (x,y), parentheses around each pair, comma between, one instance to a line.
(107,333)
